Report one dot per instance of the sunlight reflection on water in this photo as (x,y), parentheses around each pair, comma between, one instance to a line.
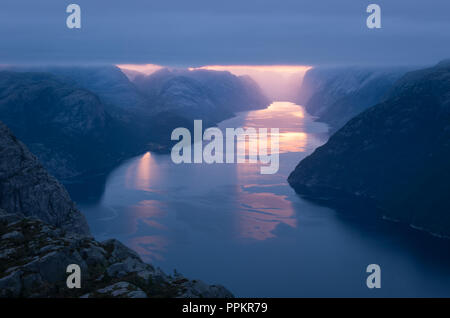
(228,224)
(256,214)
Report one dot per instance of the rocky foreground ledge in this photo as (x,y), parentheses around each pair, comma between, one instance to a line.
(34,257)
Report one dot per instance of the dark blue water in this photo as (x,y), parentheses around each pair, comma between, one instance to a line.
(228,224)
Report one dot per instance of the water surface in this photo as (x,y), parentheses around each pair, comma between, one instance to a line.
(228,224)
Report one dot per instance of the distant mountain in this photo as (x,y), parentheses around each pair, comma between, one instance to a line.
(151,85)
(80,121)
(393,159)
(68,128)
(142,118)
(108,82)
(186,96)
(335,95)
(230,92)
(201,94)
(131,74)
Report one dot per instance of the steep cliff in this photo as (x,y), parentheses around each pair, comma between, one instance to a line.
(108,82)
(27,188)
(335,95)
(392,159)
(201,94)
(67,127)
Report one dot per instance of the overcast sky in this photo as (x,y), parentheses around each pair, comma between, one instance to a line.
(202,32)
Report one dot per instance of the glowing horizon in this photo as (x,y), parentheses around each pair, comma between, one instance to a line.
(149,68)
(242,69)
(278,82)
(146,69)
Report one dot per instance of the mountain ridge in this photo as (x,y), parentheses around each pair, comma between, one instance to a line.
(335,95)
(392,158)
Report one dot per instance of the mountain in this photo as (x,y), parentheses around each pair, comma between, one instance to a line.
(335,95)
(27,188)
(230,92)
(209,95)
(131,74)
(67,127)
(392,159)
(82,121)
(42,232)
(108,82)
(201,94)
(72,131)
(186,96)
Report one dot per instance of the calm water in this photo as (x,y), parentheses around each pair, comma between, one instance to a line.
(228,224)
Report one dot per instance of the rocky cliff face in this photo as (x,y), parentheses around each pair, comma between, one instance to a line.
(68,128)
(201,94)
(34,257)
(335,95)
(108,82)
(42,232)
(27,188)
(188,97)
(392,159)
(230,92)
